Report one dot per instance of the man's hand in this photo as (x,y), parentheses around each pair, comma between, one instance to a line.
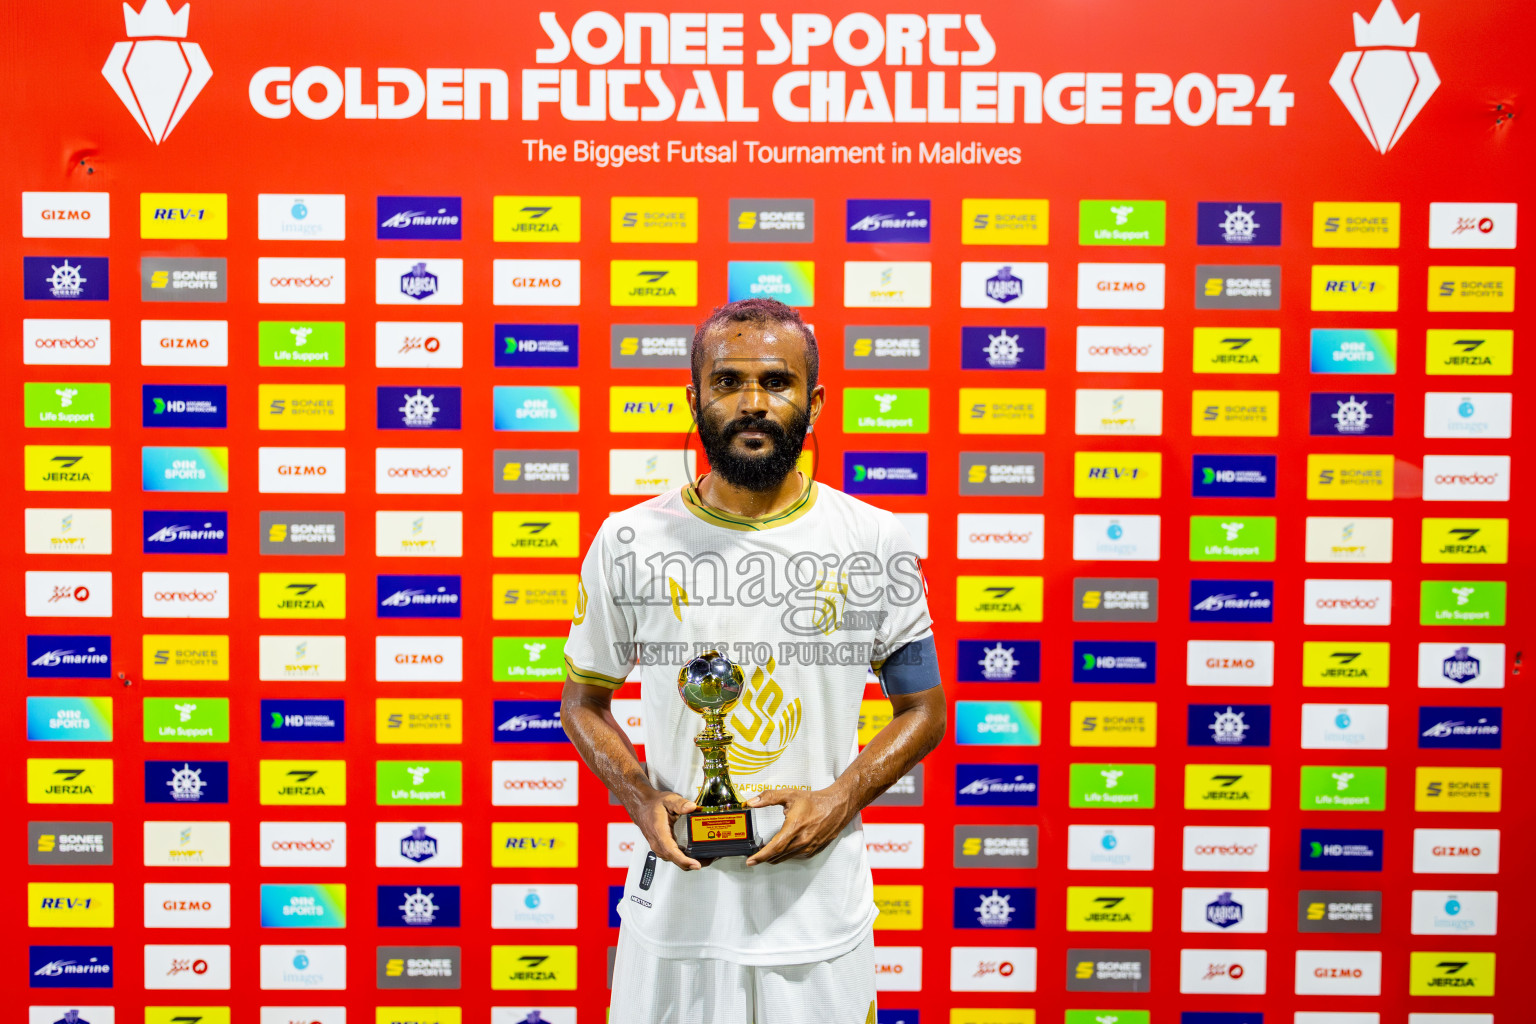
(812,819)
(655,812)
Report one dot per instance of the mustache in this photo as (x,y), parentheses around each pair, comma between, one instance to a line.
(764,426)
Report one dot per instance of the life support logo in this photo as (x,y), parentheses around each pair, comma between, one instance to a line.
(155,75)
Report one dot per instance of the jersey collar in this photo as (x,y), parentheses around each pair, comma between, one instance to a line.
(695,504)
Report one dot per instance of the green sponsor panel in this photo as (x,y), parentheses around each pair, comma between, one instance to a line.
(420,783)
(1461,602)
(885,410)
(1108,1017)
(186,720)
(528,659)
(1112,785)
(67,404)
(1343,788)
(1232,538)
(1121,221)
(301,343)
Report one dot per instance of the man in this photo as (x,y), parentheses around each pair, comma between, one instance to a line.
(805,589)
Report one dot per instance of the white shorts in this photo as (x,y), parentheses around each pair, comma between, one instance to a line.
(649,989)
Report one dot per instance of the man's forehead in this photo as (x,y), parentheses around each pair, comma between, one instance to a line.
(753,347)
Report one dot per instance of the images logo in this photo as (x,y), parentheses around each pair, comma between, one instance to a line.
(1386,86)
(166,75)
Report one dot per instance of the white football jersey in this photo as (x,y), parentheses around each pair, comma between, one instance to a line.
(804,601)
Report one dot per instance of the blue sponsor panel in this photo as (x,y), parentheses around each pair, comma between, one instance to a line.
(1352,414)
(1228,725)
(69,656)
(419,906)
(186,532)
(186,405)
(1461,728)
(64,278)
(1341,849)
(537,345)
(1221,1016)
(998,661)
(615,897)
(1002,348)
(419,597)
(889,220)
(303,721)
(1237,224)
(997,785)
(69,967)
(885,472)
(1234,476)
(186,782)
(420,217)
(419,408)
(994,908)
(528,721)
(897,1017)
(78,719)
(1231,600)
(1114,661)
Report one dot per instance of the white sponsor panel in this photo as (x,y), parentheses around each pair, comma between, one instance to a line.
(321,658)
(186,595)
(916,524)
(1226,848)
(1230,663)
(205,968)
(66,215)
(1472,225)
(303,1015)
(184,342)
(418,282)
(68,594)
(304,967)
(1119,350)
(1338,972)
(1455,851)
(54,1013)
(66,343)
(1349,539)
(1004,285)
(1461,666)
(888,284)
(542,905)
(1225,911)
(537,784)
(1442,1018)
(418,844)
(1120,285)
(1099,538)
(200,844)
(893,846)
(649,470)
(301,217)
(418,534)
(68,531)
(186,904)
(1347,602)
(301,280)
(303,844)
(418,471)
(301,470)
(1235,972)
(1344,727)
(1110,847)
(1455,912)
(898,968)
(999,535)
(1116,411)
(1337,1017)
(992,968)
(624,840)
(1466,478)
(627,712)
(536,283)
(1475,414)
(418,659)
(418,345)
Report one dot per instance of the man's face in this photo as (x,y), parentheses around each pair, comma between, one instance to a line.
(754,404)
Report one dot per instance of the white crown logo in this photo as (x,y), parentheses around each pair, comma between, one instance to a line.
(1384,87)
(155,19)
(155,76)
(1386,28)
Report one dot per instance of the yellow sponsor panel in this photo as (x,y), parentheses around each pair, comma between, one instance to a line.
(70,905)
(990,1015)
(1359,664)
(874,715)
(1231,787)
(1114,723)
(186,1015)
(550,967)
(186,656)
(641,410)
(533,844)
(183,215)
(1005,221)
(1475,541)
(999,598)
(535,534)
(415,1015)
(302,595)
(1349,477)
(1471,289)
(533,595)
(1002,410)
(653,283)
(1468,352)
(1450,974)
(1237,350)
(1235,414)
(1093,908)
(306,782)
(1361,288)
(901,908)
(69,780)
(1458,789)
(68,467)
(1117,474)
(418,720)
(536,218)
(1356,225)
(301,406)
(653,219)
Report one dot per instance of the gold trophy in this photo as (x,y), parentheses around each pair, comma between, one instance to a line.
(711,684)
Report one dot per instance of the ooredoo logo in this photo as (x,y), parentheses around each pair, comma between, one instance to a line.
(533,783)
(303,844)
(1466,477)
(301,280)
(186,595)
(419,471)
(1348,602)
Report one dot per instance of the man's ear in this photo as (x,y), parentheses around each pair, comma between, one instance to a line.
(693,402)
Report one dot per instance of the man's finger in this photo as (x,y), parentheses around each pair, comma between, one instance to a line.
(770,849)
(770,797)
(666,846)
(677,803)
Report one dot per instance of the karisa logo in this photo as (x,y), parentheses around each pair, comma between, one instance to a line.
(1387,83)
(155,75)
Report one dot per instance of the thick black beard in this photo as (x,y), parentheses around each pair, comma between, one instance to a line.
(759,472)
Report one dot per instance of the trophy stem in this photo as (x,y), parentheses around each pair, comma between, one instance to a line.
(717,792)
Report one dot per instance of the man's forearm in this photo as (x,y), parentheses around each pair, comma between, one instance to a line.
(913,732)
(605,748)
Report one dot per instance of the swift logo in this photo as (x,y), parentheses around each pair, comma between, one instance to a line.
(156,76)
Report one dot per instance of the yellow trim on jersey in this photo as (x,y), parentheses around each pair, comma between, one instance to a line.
(591,678)
(730,521)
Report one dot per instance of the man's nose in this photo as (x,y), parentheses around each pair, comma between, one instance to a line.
(752,400)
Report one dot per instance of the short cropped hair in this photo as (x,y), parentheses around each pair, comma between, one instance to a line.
(755,311)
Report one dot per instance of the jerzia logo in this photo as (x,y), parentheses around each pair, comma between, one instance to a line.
(156,76)
(1385,84)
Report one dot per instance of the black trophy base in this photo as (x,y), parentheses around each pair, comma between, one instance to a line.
(707,835)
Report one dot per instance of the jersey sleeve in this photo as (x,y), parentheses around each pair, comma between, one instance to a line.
(600,648)
(905,598)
